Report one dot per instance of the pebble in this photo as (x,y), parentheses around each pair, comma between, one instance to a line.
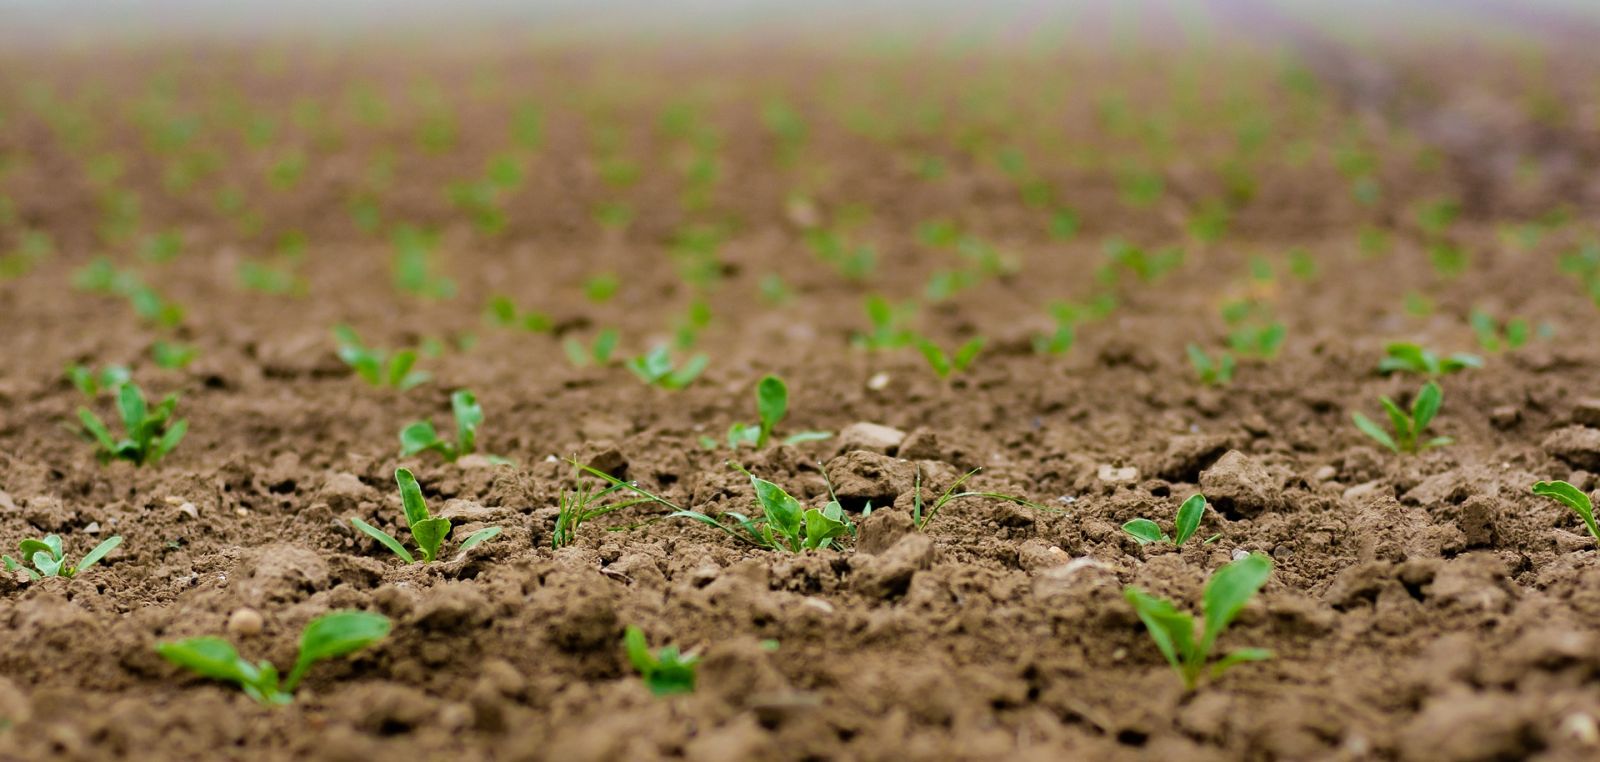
(92,528)
(1110,473)
(245,622)
(189,510)
(1240,554)
(878,381)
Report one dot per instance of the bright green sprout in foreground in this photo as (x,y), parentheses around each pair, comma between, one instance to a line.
(1407,357)
(150,431)
(665,672)
(1573,498)
(1211,370)
(1187,522)
(784,524)
(1230,588)
(1494,336)
(427,531)
(656,368)
(946,364)
(772,403)
(326,637)
(420,436)
(49,561)
(922,514)
(1408,427)
(378,367)
(599,353)
(91,383)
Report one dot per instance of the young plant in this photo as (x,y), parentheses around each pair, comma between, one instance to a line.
(599,353)
(944,364)
(1407,357)
(1230,588)
(656,368)
(1408,427)
(1494,336)
(772,403)
(413,265)
(503,312)
(151,432)
(784,524)
(325,637)
(420,436)
(91,383)
(427,531)
(173,355)
(1573,498)
(580,504)
(376,366)
(889,324)
(922,515)
(1258,341)
(49,561)
(1187,522)
(1212,371)
(665,672)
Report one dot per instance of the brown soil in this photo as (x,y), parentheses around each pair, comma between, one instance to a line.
(1421,608)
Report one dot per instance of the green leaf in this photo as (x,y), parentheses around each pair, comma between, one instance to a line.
(93,557)
(97,429)
(130,400)
(690,371)
(400,366)
(1144,531)
(469,415)
(429,534)
(210,657)
(336,634)
(772,402)
(30,547)
(1188,521)
(1230,588)
(49,566)
(411,497)
(1425,407)
(169,440)
(1573,498)
(801,437)
(935,356)
(781,511)
(742,434)
(418,437)
(577,354)
(385,538)
(1371,429)
(822,528)
(477,537)
(1171,629)
(1405,432)
(1239,657)
(638,650)
(605,343)
(967,353)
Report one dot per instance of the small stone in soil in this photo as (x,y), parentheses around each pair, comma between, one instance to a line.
(245,622)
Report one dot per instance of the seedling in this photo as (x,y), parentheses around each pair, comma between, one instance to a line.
(1068,315)
(579,505)
(376,366)
(151,432)
(325,637)
(1406,357)
(1230,588)
(665,672)
(413,265)
(772,403)
(1494,336)
(1144,265)
(922,515)
(656,368)
(1187,522)
(1211,370)
(91,383)
(784,524)
(427,531)
(944,364)
(503,312)
(1573,498)
(1408,427)
(1258,341)
(600,288)
(173,355)
(420,436)
(889,324)
(49,561)
(598,353)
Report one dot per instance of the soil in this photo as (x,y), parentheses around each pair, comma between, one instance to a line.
(1421,607)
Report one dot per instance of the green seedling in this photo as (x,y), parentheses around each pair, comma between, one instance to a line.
(598,353)
(1147,266)
(1068,316)
(1187,522)
(376,366)
(656,368)
(1230,588)
(34,248)
(784,524)
(503,312)
(601,288)
(1064,224)
(1258,341)
(173,355)
(1494,336)
(325,637)
(49,561)
(273,279)
(91,383)
(420,436)
(582,503)
(890,324)
(665,672)
(772,404)
(1573,498)
(1405,357)
(150,431)
(414,268)
(1211,370)
(427,531)
(1408,427)
(923,514)
(945,364)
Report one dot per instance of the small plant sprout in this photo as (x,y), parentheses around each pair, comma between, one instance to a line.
(414,271)
(173,355)
(1494,336)
(326,637)
(91,383)
(1408,427)
(376,366)
(1211,370)
(656,368)
(923,514)
(1187,522)
(420,436)
(889,324)
(427,531)
(1573,498)
(945,364)
(665,672)
(503,312)
(772,403)
(580,504)
(1405,357)
(49,561)
(1230,588)
(784,524)
(150,431)
(598,353)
